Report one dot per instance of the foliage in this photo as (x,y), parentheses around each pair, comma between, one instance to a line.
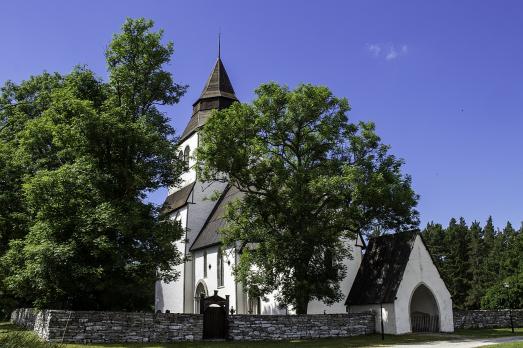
(79,156)
(476,262)
(310,180)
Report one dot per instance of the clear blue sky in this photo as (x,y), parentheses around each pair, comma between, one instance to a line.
(443,80)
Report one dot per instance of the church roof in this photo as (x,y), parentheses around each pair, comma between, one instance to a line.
(218,93)
(218,83)
(381,269)
(177,199)
(209,234)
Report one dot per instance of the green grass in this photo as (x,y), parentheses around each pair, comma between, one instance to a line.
(12,336)
(489,333)
(505,345)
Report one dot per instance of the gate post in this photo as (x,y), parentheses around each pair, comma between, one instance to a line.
(202,300)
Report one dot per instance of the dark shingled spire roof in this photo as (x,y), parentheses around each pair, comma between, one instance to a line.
(218,84)
(217,94)
(381,270)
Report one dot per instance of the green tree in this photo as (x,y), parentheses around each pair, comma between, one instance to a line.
(477,255)
(457,264)
(434,236)
(84,154)
(506,293)
(310,179)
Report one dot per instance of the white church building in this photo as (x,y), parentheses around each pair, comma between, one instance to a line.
(394,275)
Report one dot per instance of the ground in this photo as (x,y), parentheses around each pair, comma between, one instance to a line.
(12,336)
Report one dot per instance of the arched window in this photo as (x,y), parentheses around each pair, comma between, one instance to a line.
(201,289)
(186,154)
(219,268)
(180,155)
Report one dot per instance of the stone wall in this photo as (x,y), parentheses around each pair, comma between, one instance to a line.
(287,327)
(107,327)
(113,327)
(487,318)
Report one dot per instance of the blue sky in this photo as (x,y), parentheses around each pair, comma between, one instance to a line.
(442,80)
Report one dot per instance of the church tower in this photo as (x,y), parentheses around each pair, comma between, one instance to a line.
(189,202)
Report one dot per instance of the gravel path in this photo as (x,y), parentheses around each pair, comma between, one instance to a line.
(465,343)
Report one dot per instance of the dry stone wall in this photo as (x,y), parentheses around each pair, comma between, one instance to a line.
(287,327)
(115,327)
(109,327)
(480,319)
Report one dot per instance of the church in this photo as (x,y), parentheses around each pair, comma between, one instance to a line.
(393,275)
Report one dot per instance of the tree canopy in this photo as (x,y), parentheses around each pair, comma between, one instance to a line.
(482,266)
(77,157)
(310,181)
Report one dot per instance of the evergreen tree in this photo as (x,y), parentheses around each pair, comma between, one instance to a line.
(477,255)
(457,264)
(434,237)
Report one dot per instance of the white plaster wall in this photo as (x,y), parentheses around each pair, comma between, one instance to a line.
(211,281)
(352,264)
(421,270)
(388,312)
(169,296)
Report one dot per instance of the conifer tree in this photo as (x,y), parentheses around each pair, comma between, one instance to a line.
(457,264)
(476,258)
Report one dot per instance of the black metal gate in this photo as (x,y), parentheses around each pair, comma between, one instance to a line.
(215,310)
(423,322)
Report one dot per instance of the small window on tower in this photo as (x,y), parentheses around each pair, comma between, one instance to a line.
(186,154)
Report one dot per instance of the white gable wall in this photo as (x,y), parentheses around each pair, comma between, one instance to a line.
(388,314)
(352,264)
(421,270)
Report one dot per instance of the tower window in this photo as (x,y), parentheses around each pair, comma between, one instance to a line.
(186,154)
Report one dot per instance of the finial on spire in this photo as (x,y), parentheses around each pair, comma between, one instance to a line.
(219,44)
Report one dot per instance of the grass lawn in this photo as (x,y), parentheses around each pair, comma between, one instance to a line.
(505,345)
(12,336)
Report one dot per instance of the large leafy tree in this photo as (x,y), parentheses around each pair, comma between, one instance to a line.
(80,155)
(310,180)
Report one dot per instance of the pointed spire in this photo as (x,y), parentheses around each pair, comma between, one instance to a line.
(217,94)
(218,84)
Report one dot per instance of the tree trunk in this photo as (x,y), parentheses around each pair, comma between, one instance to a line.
(302,302)
(301,292)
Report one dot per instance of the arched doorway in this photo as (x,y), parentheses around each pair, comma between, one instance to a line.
(201,289)
(424,312)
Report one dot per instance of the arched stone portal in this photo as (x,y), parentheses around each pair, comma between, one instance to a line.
(201,289)
(424,312)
